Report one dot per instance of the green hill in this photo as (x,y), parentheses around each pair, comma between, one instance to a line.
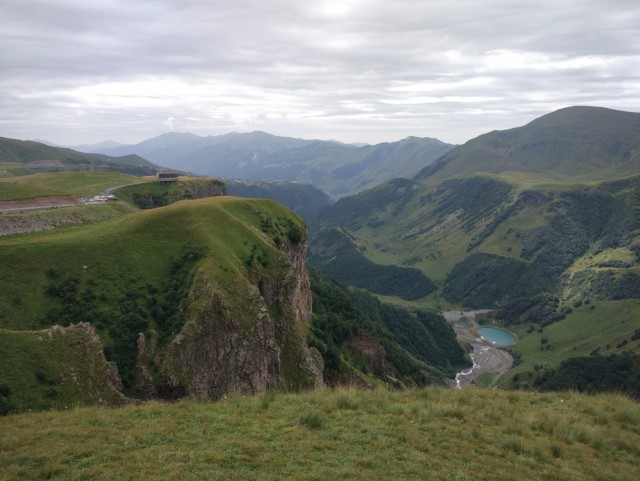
(19,157)
(572,144)
(184,269)
(433,434)
(77,184)
(522,231)
(153,299)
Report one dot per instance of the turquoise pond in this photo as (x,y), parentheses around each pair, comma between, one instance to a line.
(497,337)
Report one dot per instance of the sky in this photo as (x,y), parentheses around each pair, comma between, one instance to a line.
(83,71)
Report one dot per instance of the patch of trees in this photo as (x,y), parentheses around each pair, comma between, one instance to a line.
(606,285)
(428,336)
(148,200)
(153,195)
(476,197)
(350,266)
(540,309)
(6,406)
(122,316)
(482,280)
(421,346)
(594,374)
(281,229)
(424,334)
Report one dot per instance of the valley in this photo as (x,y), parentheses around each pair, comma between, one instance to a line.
(550,248)
(319,241)
(489,362)
(323,324)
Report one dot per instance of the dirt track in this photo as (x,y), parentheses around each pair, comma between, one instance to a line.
(38,203)
(485,356)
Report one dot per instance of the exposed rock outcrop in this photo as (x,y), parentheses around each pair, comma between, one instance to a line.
(84,366)
(250,342)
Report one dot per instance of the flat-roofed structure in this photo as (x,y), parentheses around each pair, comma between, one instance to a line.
(166,177)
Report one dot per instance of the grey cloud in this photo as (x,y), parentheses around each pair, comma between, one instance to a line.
(355,70)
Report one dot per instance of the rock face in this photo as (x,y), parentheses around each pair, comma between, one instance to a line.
(249,342)
(85,367)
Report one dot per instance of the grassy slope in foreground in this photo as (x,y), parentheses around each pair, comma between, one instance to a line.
(434,434)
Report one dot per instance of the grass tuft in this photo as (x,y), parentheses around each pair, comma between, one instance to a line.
(312,420)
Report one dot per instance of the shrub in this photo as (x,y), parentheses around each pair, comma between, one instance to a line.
(5,404)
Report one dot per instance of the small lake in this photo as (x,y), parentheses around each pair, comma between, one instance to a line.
(497,337)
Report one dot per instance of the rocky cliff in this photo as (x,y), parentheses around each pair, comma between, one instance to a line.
(59,367)
(246,343)
(200,298)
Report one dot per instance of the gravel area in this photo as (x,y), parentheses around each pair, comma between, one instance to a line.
(485,356)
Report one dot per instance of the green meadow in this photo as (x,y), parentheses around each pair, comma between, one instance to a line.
(433,433)
(88,183)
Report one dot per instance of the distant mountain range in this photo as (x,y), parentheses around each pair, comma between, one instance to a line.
(335,168)
(89,148)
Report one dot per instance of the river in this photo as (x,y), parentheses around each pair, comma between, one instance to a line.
(484,356)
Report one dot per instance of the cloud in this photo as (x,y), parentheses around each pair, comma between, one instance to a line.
(353,70)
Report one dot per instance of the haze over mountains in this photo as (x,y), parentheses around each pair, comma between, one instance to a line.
(335,168)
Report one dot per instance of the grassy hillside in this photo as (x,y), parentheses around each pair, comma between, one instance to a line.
(132,274)
(129,252)
(62,183)
(39,157)
(431,434)
(576,143)
(129,272)
(54,369)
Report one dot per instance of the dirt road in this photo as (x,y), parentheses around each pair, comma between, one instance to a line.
(485,356)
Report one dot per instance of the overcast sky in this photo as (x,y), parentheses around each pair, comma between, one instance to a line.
(83,71)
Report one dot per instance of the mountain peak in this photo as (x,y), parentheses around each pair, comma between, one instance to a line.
(575,142)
